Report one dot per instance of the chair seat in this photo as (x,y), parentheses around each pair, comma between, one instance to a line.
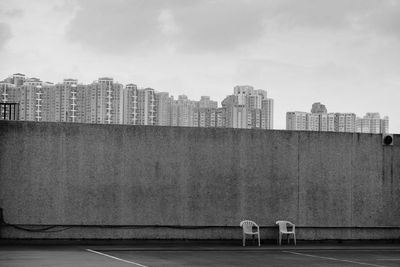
(251,233)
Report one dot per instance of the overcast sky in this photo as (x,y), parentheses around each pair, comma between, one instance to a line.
(343,53)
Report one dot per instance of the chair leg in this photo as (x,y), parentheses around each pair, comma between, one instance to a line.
(259,240)
(244,239)
(280,239)
(294,238)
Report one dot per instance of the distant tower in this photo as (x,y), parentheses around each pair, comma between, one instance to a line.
(267,116)
(318,108)
(146,107)
(205,113)
(163,104)
(296,120)
(385,125)
(69,100)
(36,100)
(105,101)
(184,110)
(372,123)
(18,79)
(139,106)
(130,104)
(248,108)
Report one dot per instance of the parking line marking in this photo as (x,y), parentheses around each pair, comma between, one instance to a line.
(334,259)
(115,258)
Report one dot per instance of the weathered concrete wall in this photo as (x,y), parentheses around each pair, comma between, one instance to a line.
(332,185)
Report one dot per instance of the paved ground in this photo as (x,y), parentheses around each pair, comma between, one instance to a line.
(168,255)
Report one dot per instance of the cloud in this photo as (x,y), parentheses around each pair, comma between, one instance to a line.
(121,26)
(322,14)
(357,16)
(218,25)
(115,26)
(386,20)
(14,13)
(5,34)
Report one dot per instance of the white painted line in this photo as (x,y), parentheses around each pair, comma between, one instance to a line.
(115,258)
(335,259)
(388,259)
(346,249)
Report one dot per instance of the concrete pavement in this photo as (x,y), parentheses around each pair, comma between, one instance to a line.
(168,254)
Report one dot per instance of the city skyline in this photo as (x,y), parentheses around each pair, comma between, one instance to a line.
(341,53)
(245,96)
(319,119)
(106,101)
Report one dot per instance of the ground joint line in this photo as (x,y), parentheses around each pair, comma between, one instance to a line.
(115,258)
(334,259)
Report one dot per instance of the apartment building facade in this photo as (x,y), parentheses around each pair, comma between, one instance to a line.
(109,102)
(248,108)
(320,120)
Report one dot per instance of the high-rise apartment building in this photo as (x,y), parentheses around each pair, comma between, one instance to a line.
(220,117)
(205,117)
(228,105)
(69,101)
(267,116)
(183,112)
(163,108)
(327,122)
(345,122)
(318,108)
(36,100)
(205,113)
(130,105)
(8,92)
(206,102)
(140,106)
(8,95)
(385,125)
(16,79)
(296,120)
(105,101)
(320,120)
(313,122)
(146,107)
(248,108)
(375,122)
(372,123)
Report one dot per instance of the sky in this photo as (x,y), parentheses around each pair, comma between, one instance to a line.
(343,53)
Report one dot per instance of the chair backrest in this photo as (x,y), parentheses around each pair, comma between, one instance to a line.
(247,226)
(283,225)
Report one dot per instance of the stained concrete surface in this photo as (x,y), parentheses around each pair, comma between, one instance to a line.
(331,185)
(200,255)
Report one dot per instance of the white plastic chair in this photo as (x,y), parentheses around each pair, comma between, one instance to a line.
(247,226)
(283,230)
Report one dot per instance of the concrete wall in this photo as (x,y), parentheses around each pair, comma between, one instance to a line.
(172,182)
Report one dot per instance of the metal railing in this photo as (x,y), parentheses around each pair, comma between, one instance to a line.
(9,111)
